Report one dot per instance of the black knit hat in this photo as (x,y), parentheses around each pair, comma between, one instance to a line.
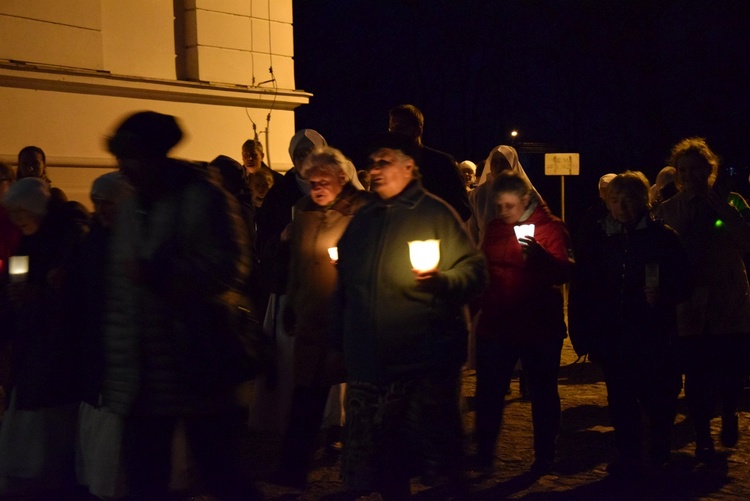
(394,141)
(145,133)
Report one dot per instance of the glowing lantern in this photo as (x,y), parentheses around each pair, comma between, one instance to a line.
(333,253)
(424,254)
(18,268)
(524,231)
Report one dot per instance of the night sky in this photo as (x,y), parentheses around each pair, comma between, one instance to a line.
(617,81)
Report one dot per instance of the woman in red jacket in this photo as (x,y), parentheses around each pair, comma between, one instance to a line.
(521,316)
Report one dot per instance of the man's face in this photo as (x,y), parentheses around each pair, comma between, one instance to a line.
(390,172)
(399,126)
(30,164)
(251,159)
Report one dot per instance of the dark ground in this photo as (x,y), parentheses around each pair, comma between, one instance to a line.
(585,446)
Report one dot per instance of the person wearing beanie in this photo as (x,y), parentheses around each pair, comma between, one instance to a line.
(37,436)
(177,262)
(401,330)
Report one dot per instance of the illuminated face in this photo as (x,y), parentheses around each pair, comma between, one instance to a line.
(390,172)
(30,164)
(251,159)
(624,207)
(468,175)
(693,172)
(325,188)
(511,206)
(26,221)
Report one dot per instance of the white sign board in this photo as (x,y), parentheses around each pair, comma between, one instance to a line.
(561,164)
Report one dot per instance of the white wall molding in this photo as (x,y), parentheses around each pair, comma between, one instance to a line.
(61,79)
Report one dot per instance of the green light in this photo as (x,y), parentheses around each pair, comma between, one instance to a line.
(719,223)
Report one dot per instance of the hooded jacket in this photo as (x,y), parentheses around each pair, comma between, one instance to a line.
(524,302)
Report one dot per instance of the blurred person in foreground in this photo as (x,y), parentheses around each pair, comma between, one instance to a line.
(178,258)
(401,330)
(99,435)
(632,271)
(714,324)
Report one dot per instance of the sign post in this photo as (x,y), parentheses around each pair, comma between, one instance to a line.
(562,164)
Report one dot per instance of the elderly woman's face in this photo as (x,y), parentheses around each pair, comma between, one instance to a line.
(28,222)
(324,188)
(624,207)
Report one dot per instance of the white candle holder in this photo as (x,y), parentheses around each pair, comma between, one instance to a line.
(524,231)
(424,254)
(333,253)
(18,268)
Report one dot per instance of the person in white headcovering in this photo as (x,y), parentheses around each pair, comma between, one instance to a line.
(269,409)
(482,199)
(469,173)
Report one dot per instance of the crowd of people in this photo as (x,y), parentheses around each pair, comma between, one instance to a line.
(201,298)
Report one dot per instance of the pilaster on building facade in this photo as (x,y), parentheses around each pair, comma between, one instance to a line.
(71,71)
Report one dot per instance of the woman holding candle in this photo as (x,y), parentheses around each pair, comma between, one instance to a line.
(521,316)
(36,439)
(630,276)
(320,219)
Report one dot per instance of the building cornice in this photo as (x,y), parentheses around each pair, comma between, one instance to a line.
(19,74)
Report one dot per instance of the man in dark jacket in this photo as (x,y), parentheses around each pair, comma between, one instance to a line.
(401,330)
(440,174)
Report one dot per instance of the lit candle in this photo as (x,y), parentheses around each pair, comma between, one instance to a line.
(424,254)
(18,268)
(524,231)
(333,253)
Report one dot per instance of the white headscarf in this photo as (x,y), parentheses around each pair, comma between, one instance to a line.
(482,199)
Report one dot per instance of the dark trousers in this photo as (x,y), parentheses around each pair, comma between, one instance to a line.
(632,385)
(496,360)
(714,368)
(212,439)
(303,429)
(396,431)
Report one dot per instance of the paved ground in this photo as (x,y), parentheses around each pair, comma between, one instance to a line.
(585,446)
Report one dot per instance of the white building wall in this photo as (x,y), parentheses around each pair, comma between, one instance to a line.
(71,71)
